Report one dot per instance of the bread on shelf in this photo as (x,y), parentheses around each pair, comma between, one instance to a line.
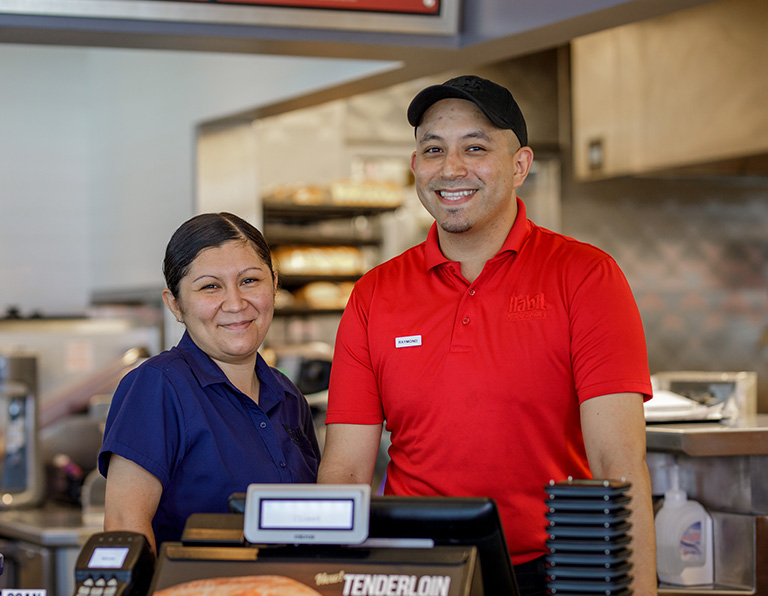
(319,260)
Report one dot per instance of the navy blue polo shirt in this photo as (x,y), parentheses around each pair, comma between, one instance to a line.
(180,418)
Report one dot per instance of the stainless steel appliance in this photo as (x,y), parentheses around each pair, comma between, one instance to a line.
(21,482)
(40,547)
(702,395)
(26,566)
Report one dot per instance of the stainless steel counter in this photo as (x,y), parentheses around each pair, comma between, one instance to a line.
(51,525)
(41,546)
(722,465)
(745,436)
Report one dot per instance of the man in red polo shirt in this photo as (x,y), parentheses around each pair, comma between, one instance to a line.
(501,355)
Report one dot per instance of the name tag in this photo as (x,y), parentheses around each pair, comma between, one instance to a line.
(408,341)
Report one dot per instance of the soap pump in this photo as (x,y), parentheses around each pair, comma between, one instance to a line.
(684,552)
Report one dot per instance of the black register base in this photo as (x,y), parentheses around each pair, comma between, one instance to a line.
(416,546)
(305,571)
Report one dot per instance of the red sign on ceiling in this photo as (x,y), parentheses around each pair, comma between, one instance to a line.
(430,7)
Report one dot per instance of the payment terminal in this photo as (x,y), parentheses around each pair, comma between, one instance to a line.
(114,564)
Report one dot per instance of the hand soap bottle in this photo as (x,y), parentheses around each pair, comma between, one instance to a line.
(683,538)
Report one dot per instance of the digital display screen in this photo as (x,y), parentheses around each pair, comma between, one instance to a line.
(306,514)
(108,557)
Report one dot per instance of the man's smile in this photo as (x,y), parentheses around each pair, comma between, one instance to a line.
(455,195)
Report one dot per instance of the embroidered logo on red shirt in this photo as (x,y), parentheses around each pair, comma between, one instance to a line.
(523,308)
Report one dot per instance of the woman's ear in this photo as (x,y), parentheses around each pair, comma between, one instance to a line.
(173,305)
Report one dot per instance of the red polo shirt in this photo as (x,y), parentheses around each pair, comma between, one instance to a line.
(480,383)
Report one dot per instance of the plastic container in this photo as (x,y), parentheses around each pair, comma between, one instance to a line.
(684,550)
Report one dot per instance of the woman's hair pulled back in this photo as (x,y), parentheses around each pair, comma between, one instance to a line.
(208,230)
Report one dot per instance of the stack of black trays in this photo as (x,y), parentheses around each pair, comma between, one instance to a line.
(588,541)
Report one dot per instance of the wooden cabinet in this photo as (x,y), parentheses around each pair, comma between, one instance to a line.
(686,92)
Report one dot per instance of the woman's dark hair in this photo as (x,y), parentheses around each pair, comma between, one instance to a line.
(208,230)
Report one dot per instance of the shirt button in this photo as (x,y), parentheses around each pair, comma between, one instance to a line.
(282,464)
(263,424)
(472,291)
(465,320)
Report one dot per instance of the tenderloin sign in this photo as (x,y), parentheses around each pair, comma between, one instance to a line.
(362,584)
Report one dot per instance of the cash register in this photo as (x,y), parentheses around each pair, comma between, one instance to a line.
(309,540)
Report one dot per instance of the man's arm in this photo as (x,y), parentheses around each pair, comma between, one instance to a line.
(614,436)
(349,455)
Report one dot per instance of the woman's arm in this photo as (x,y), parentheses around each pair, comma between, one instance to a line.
(131,499)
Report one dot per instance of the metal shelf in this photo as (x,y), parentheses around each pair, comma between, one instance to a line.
(296,281)
(291,224)
(296,214)
(281,235)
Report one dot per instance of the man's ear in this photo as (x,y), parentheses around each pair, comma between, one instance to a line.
(523,162)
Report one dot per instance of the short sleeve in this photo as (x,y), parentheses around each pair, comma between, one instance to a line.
(608,347)
(145,423)
(353,396)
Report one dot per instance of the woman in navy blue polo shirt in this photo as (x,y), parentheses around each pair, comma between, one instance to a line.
(203,420)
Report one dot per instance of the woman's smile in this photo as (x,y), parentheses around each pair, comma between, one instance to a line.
(238,326)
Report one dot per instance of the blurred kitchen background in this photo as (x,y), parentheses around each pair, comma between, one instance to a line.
(650,142)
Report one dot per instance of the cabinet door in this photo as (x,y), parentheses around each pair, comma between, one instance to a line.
(607,110)
(681,90)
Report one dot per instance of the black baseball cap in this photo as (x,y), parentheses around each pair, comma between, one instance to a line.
(495,101)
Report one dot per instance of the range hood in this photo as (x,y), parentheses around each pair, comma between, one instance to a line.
(683,94)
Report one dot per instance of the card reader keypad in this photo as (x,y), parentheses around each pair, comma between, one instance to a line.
(98,587)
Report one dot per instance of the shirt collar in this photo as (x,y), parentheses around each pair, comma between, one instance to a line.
(208,372)
(521,229)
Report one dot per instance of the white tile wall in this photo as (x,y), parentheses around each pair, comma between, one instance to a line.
(97,151)
(44,173)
